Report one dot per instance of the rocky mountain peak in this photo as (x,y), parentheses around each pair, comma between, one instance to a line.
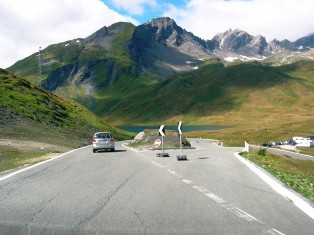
(161,29)
(104,36)
(240,41)
(162,22)
(233,39)
(307,41)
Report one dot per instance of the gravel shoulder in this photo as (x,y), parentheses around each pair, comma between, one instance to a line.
(16,153)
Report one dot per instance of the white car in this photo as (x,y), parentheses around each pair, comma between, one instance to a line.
(103,141)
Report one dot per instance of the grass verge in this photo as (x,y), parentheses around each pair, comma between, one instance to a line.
(296,174)
(11,158)
(307,151)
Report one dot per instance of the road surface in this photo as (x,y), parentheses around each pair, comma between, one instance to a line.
(128,192)
(285,153)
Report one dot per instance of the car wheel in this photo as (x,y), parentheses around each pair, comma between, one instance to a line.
(112,150)
(94,150)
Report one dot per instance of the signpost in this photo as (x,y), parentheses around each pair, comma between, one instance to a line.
(181,156)
(162,134)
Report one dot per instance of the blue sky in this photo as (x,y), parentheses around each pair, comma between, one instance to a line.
(147,9)
(28,24)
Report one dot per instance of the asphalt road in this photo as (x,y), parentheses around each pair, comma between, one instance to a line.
(285,152)
(128,192)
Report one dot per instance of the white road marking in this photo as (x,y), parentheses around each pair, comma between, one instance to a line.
(273,232)
(234,210)
(301,204)
(242,214)
(135,150)
(201,189)
(38,164)
(187,181)
(215,198)
(172,172)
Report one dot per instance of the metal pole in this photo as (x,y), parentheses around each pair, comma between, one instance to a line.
(162,144)
(181,144)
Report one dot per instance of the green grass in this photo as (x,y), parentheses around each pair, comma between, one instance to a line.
(296,174)
(22,99)
(11,157)
(307,151)
(33,114)
(247,92)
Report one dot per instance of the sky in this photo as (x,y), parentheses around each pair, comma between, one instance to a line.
(27,25)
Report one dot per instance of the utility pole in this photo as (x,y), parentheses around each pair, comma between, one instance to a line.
(39,64)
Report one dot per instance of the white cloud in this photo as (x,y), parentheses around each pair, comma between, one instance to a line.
(280,19)
(134,7)
(26,25)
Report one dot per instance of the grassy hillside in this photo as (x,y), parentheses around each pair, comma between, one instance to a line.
(31,116)
(31,104)
(107,45)
(261,102)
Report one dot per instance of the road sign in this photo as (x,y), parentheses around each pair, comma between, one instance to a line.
(180,128)
(181,156)
(162,130)
(157,143)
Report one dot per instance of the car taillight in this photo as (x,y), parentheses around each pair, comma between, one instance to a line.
(94,140)
(111,139)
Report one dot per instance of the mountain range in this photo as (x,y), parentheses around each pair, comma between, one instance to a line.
(159,71)
(159,47)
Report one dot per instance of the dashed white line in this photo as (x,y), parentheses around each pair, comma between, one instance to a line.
(200,189)
(242,214)
(172,172)
(273,232)
(215,198)
(232,209)
(187,181)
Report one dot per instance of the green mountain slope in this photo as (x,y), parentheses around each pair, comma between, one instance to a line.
(246,89)
(32,113)
(261,102)
(78,67)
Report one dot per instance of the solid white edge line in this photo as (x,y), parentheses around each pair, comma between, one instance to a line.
(298,202)
(38,164)
(137,151)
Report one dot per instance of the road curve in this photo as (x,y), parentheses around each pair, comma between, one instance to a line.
(130,192)
(284,152)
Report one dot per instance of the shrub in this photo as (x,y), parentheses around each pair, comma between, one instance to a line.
(262,151)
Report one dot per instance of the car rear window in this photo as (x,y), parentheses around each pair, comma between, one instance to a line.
(103,136)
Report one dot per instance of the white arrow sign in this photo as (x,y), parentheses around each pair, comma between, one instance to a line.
(180,128)
(162,130)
